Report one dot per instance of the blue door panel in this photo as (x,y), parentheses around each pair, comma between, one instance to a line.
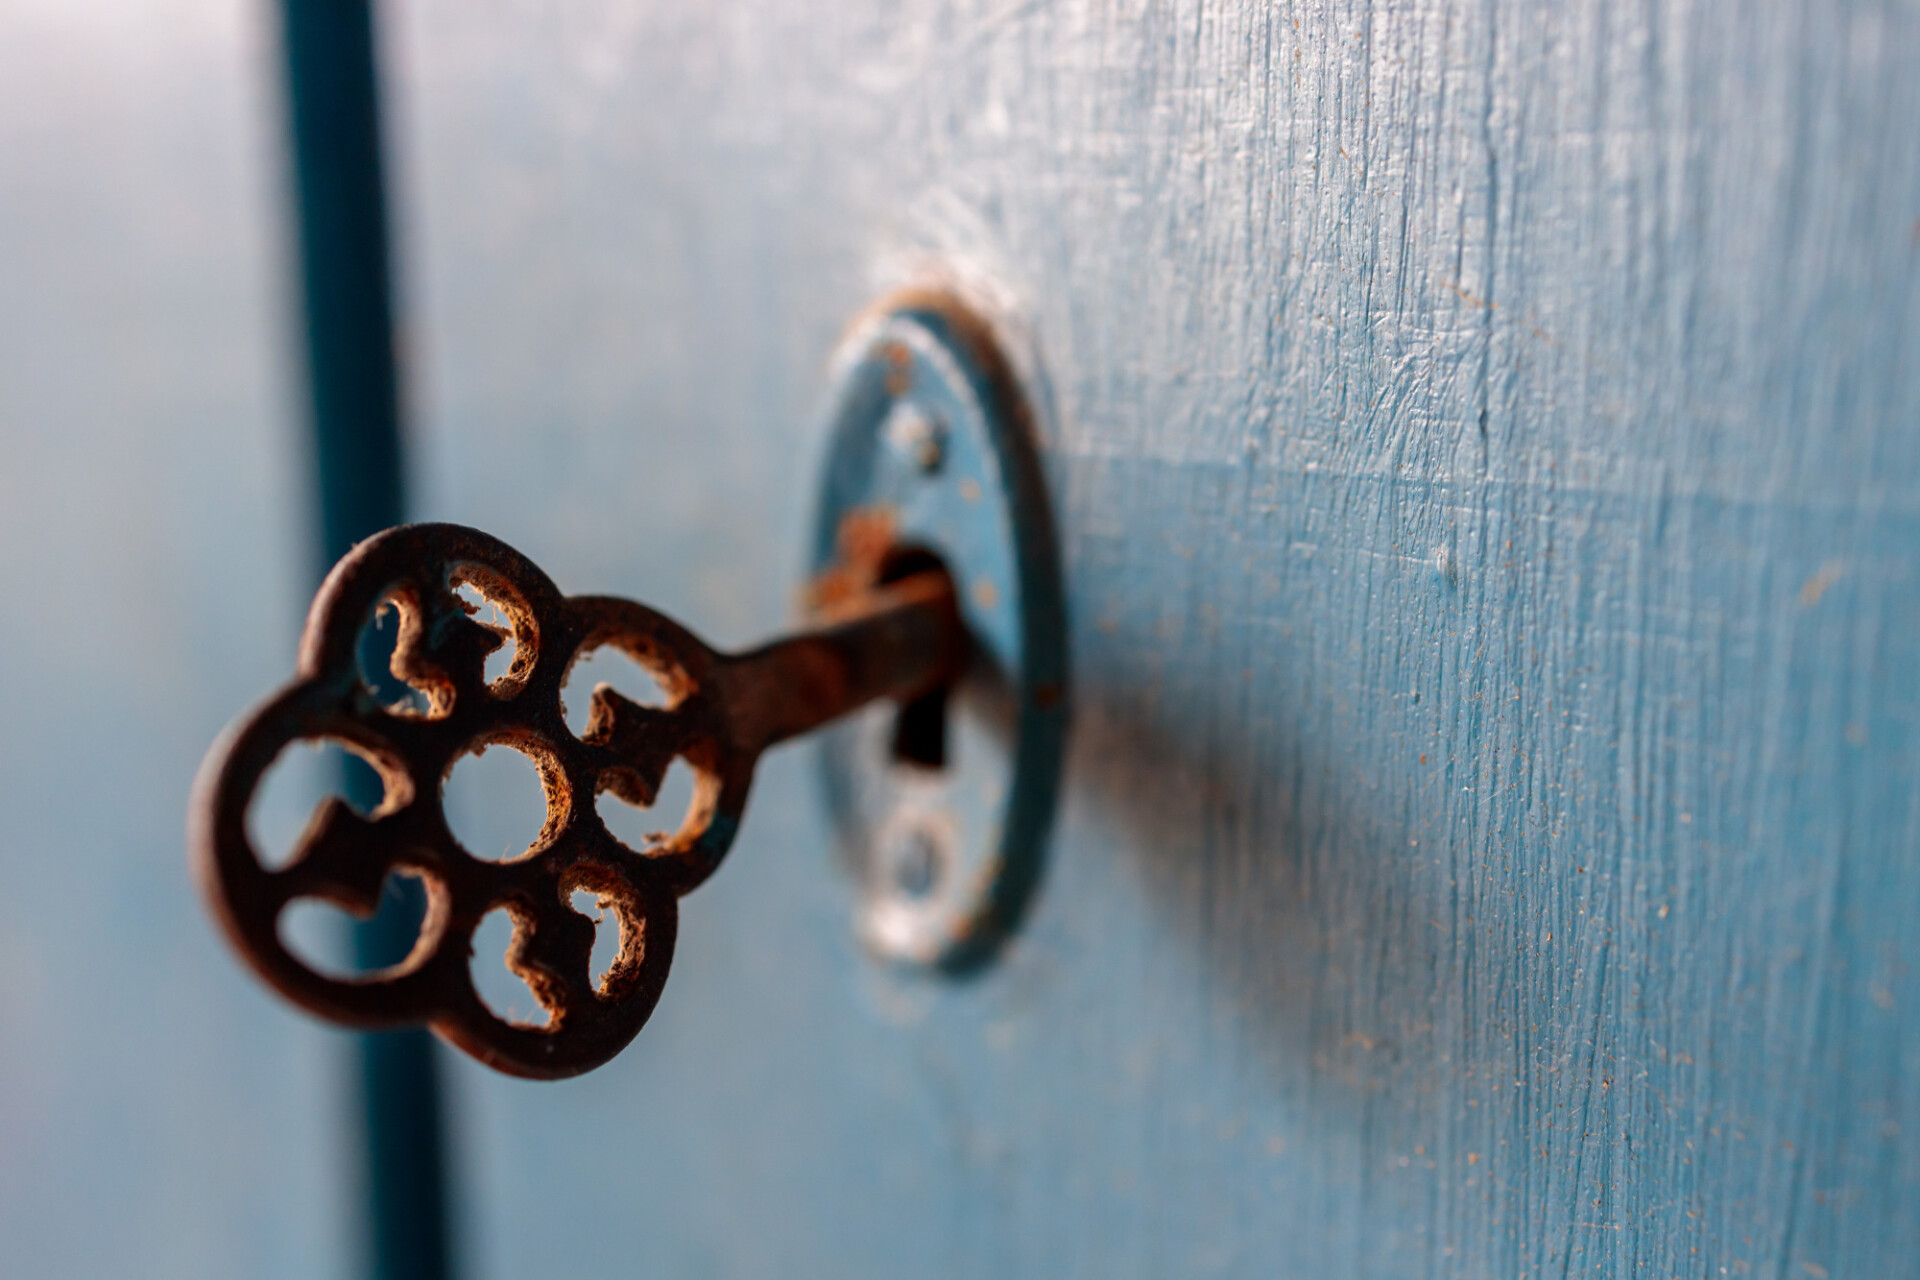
(160,1114)
(1482,441)
(1482,444)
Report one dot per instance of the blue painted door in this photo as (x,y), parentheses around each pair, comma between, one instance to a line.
(159,1116)
(1483,439)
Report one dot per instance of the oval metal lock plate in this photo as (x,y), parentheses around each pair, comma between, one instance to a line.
(929,433)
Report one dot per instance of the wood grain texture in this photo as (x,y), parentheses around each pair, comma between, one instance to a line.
(1484,442)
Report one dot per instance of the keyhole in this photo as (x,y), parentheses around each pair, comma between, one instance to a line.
(920,730)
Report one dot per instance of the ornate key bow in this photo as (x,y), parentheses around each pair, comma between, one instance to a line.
(899,640)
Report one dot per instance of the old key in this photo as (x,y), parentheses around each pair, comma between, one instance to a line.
(869,639)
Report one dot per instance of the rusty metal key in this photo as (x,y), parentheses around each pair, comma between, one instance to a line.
(900,640)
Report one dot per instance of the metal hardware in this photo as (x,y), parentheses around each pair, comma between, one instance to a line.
(932,450)
(898,639)
(935,588)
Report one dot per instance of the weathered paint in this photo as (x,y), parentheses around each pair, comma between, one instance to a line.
(1476,425)
(1484,435)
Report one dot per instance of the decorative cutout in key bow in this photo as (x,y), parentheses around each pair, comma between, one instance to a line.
(722,712)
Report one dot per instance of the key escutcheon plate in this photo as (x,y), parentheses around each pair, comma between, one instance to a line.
(932,445)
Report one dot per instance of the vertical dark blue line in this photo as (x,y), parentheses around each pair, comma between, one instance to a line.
(332,94)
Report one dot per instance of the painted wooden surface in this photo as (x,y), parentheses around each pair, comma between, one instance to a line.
(160,1114)
(1484,437)
(1484,444)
